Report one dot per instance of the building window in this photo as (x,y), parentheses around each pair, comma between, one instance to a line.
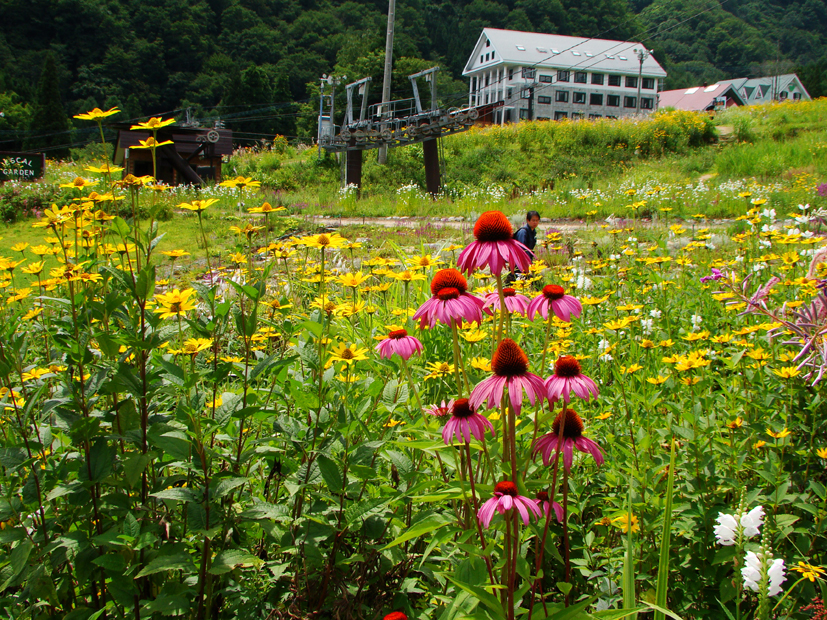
(558,116)
(543,118)
(561,96)
(562,76)
(524,114)
(646,103)
(614,80)
(487,43)
(580,77)
(511,73)
(613,100)
(482,58)
(576,116)
(545,78)
(544,100)
(510,93)
(487,79)
(597,78)
(783,96)
(631,81)
(493,54)
(796,96)
(579,98)
(648,83)
(473,84)
(595,99)
(593,116)
(629,102)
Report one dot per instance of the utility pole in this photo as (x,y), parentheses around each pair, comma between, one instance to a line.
(642,55)
(386,83)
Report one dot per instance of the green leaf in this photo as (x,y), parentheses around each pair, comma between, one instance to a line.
(265,510)
(484,597)
(225,485)
(355,512)
(331,473)
(133,467)
(102,458)
(229,559)
(178,561)
(131,527)
(179,494)
(428,524)
(629,558)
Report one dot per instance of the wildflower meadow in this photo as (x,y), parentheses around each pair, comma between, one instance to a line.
(624,424)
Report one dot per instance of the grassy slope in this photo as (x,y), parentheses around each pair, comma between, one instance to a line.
(565,170)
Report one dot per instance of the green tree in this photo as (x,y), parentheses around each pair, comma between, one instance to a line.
(49,125)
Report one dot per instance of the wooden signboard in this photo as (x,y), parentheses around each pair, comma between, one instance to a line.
(21,166)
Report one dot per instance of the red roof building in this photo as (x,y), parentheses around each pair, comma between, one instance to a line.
(701,98)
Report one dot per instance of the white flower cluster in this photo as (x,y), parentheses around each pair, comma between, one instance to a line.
(348,190)
(696,320)
(728,525)
(756,565)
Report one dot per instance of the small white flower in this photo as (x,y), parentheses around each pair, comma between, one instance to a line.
(603,345)
(696,319)
(751,571)
(606,357)
(647,325)
(655,314)
(725,530)
(752,521)
(777,576)
(769,214)
(804,207)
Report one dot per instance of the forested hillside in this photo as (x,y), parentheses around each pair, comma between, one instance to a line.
(257,63)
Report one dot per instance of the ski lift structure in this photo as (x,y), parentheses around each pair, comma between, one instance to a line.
(392,124)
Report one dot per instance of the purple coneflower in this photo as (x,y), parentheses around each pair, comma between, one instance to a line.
(554,297)
(510,367)
(505,498)
(494,247)
(400,343)
(567,378)
(450,301)
(542,502)
(514,301)
(572,438)
(439,411)
(464,423)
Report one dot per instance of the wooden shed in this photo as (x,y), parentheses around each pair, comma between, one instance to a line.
(195,155)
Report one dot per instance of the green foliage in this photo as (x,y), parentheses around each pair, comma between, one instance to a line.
(49,123)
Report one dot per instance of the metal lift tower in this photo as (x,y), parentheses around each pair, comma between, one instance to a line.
(396,123)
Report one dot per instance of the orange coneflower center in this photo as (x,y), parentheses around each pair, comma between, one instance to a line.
(492,226)
(542,496)
(574,425)
(567,366)
(398,334)
(462,409)
(449,280)
(346,354)
(553,291)
(509,292)
(509,360)
(324,240)
(506,487)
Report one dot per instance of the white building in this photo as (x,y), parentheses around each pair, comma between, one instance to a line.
(755,91)
(572,77)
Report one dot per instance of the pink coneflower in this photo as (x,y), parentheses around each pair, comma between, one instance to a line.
(494,246)
(464,423)
(514,301)
(505,498)
(400,343)
(450,301)
(554,296)
(510,366)
(542,502)
(439,411)
(572,438)
(567,378)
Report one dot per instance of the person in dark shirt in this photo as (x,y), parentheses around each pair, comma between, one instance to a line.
(527,235)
